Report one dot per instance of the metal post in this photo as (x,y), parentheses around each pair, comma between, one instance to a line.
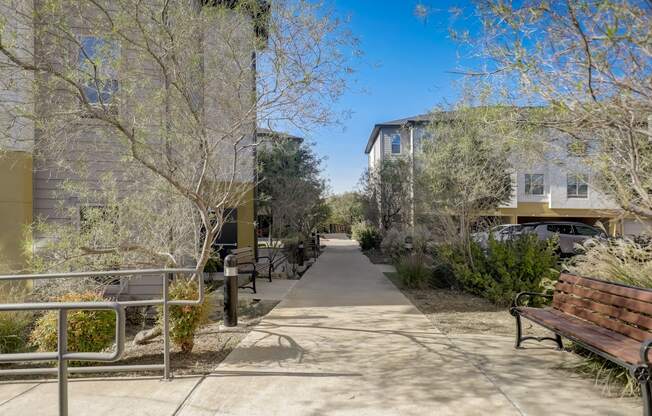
(230,291)
(166,328)
(62,349)
(300,249)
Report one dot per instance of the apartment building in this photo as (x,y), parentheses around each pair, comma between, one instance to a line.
(557,189)
(33,183)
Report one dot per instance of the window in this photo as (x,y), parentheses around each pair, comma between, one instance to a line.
(526,229)
(396,144)
(560,228)
(576,186)
(586,230)
(534,184)
(228,235)
(97,63)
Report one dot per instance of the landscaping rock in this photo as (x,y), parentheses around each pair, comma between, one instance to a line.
(143,337)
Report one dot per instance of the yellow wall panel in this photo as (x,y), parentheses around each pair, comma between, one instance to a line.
(246,218)
(15,207)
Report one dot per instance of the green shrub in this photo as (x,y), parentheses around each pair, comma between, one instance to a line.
(14,326)
(367,235)
(213,264)
(88,331)
(413,270)
(506,268)
(393,243)
(185,320)
(522,264)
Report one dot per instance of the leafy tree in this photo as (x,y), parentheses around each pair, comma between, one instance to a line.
(172,91)
(346,209)
(464,171)
(386,192)
(589,64)
(291,190)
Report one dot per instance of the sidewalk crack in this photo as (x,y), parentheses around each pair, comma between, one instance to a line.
(20,394)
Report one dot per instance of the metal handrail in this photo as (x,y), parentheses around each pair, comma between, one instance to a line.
(62,356)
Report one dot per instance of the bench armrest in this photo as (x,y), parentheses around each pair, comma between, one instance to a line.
(645,347)
(518,297)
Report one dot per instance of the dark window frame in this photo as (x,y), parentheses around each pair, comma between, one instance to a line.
(528,184)
(574,189)
(396,144)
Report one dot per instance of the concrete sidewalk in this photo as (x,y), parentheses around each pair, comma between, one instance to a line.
(345,341)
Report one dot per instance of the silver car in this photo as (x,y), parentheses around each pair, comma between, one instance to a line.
(501,232)
(569,233)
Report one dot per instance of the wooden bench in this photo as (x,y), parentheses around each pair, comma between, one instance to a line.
(609,319)
(249,264)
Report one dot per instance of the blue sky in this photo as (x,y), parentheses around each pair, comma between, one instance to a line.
(403,73)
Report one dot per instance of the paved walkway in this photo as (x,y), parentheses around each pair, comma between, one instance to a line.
(345,341)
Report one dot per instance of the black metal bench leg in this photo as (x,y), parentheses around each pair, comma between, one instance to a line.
(646,395)
(560,343)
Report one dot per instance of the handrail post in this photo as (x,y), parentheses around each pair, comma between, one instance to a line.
(62,349)
(230,291)
(166,327)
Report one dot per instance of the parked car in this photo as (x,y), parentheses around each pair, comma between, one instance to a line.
(569,233)
(501,232)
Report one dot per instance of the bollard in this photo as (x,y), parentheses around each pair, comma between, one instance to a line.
(300,253)
(230,291)
(408,243)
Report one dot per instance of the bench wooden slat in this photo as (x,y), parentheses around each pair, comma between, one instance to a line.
(605,322)
(616,345)
(622,314)
(244,255)
(606,298)
(640,294)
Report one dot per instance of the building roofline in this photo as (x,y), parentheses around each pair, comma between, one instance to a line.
(419,119)
(425,119)
(277,135)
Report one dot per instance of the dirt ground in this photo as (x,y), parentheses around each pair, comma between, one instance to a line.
(376,256)
(454,312)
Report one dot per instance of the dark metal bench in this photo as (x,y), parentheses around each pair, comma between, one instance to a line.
(609,319)
(250,265)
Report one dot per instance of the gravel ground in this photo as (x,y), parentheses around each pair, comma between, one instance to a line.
(213,343)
